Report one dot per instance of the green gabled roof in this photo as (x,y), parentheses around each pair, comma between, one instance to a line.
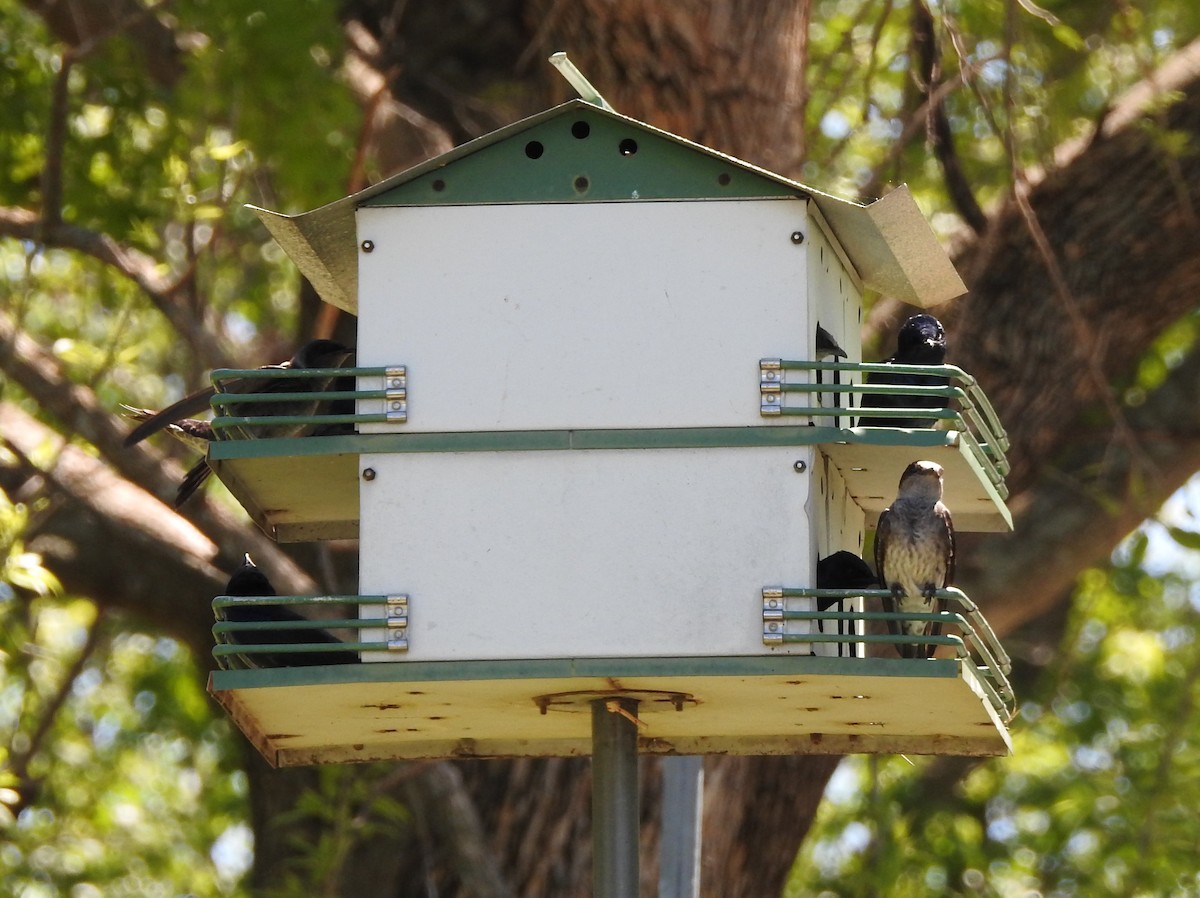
(588,155)
(579,152)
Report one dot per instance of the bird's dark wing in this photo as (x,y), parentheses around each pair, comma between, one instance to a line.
(843,570)
(941,605)
(194,433)
(313,354)
(192,404)
(883,534)
(947,520)
(194,479)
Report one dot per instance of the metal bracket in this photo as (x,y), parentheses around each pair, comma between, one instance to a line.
(773,625)
(396,394)
(770,382)
(397,623)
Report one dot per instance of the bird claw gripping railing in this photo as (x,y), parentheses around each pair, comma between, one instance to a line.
(324,396)
(976,642)
(966,408)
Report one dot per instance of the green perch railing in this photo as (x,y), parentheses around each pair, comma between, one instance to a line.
(278,632)
(966,409)
(331,406)
(976,642)
(268,631)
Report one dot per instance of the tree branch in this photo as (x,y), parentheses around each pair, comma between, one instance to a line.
(941,137)
(39,374)
(22,224)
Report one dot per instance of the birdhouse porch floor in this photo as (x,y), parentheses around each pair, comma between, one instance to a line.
(742,705)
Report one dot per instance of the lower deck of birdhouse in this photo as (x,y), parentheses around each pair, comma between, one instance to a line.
(778,704)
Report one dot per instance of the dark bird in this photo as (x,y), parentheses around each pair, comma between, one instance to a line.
(313,354)
(843,570)
(826,345)
(914,552)
(921,341)
(248,580)
(191,432)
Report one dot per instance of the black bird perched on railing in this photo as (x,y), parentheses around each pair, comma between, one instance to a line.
(313,354)
(921,341)
(826,346)
(248,580)
(842,570)
(914,553)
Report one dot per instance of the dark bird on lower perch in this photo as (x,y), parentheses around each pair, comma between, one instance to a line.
(914,553)
(920,341)
(249,581)
(843,570)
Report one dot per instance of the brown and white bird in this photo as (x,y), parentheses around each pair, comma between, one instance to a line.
(914,553)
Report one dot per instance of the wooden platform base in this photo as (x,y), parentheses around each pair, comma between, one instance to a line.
(747,706)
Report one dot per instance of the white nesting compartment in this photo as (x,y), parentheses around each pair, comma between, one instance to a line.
(588,553)
(582,315)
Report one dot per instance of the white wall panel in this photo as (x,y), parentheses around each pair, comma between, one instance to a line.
(584,315)
(585,553)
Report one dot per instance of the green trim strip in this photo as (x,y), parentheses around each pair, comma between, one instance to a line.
(537,440)
(402,670)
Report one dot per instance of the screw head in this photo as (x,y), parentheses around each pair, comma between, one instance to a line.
(797,237)
(368,474)
(368,246)
(800,466)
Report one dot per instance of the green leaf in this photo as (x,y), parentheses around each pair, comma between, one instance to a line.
(1189,539)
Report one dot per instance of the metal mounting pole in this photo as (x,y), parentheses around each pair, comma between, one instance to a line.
(679,847)
(615,814)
